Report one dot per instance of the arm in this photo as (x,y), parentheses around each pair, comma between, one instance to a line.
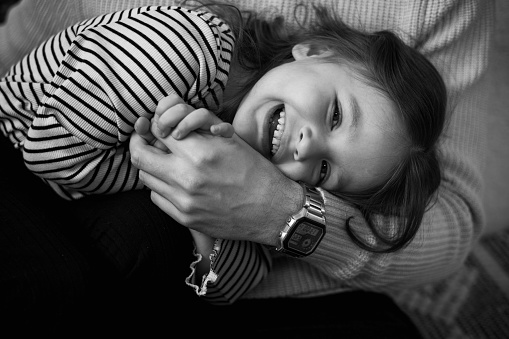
(227,268)
(174,117)
(112,74)
(449,228)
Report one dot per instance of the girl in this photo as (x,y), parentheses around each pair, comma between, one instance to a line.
(353,113)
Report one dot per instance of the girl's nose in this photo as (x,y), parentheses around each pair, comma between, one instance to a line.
(307,145)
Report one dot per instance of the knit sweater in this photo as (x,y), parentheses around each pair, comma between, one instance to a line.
(455,35)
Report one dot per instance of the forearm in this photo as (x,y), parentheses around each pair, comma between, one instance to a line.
(282,198)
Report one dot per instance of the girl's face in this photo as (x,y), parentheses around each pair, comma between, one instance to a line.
(321,125)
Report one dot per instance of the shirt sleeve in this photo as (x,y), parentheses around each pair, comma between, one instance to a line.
(236,268)
(116,69)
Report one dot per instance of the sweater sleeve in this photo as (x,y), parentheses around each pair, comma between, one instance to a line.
(116,69)
(455,36)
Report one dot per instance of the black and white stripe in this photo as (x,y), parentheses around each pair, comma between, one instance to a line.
(71,104)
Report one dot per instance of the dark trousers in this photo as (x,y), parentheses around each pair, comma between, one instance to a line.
(115,265)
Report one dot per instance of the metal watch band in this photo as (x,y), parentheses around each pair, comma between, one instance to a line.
(314,204)
(313,209)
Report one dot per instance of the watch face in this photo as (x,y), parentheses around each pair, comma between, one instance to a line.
(305,237)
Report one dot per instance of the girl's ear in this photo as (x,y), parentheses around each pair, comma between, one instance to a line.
(302,51)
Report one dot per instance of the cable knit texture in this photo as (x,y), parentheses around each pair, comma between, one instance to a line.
(455,35)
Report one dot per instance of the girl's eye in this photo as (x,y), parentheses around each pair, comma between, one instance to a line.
(337,116)
(324,169)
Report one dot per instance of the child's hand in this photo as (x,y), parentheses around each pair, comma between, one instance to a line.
(200,120)
(142,127)
(173,116)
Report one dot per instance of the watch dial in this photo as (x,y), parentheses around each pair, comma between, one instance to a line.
(305,237)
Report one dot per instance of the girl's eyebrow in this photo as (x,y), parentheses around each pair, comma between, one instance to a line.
(356,113)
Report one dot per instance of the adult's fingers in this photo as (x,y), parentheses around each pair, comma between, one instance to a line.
(167,207)
(161,197)
(147,157)
(156,184)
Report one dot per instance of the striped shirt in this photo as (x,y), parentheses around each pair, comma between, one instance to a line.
(71,104)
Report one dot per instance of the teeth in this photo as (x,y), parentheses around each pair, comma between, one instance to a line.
(278,133)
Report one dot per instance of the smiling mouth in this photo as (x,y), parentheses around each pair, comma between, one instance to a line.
(276,129)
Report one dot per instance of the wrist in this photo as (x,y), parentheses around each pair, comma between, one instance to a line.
(287,201)
(204,243)
(305,229)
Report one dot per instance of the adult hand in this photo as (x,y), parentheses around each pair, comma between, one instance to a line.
(218,186)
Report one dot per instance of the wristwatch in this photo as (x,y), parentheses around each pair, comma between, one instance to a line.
(305,229)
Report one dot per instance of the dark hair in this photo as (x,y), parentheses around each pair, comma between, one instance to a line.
(396,70)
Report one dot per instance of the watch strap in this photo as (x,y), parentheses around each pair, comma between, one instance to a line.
(313,209)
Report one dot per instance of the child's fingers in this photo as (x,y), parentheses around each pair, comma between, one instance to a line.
(142,127)
(223,129)
(168,102)
(172,117)
(200,119)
